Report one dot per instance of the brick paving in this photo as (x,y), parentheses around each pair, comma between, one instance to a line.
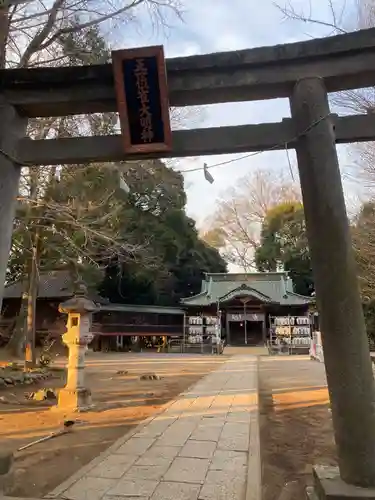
(203,446)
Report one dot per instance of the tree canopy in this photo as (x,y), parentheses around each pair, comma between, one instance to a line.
(283,245)
(176,256)
(363,233)
(137,247)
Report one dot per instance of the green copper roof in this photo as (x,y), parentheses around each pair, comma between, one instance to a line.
(272,288)
(244,291)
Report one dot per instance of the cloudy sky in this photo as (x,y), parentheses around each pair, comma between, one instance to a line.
(225,25)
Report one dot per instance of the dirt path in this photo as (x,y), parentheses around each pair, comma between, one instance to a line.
(296,429)
(121,400)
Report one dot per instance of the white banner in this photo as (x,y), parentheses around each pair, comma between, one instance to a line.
(316,349)
(249,317)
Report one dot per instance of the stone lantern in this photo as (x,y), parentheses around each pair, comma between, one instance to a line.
(75,396)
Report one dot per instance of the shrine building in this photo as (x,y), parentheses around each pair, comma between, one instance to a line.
(245,304)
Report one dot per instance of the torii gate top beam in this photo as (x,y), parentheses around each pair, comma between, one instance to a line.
(344,61)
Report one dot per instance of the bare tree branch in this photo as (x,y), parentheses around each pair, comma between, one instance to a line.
(289,12)
(235,226)
(37,41)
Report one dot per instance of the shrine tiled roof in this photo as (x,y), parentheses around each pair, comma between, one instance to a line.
(52,285)
(273,288)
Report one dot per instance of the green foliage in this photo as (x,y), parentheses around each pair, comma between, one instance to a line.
(283,245)
(84,46)
(363,233)
(175,256)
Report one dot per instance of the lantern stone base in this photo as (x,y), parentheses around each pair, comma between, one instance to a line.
(74,400)
(328,485)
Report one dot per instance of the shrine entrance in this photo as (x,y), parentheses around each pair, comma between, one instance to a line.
(305,72)
(245,332)
(245,322)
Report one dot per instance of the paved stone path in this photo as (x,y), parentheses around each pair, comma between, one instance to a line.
(203,446)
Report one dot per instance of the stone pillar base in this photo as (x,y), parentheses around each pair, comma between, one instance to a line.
(74,399)
(328,485)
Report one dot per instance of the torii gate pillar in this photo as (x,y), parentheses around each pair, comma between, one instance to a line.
(346,351)
(12,128)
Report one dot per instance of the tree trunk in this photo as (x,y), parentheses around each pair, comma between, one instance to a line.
(26,314)
(4,31)
(30,355)
(15,345)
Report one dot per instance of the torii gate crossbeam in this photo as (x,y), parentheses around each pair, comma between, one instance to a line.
(344,61)
(196,142)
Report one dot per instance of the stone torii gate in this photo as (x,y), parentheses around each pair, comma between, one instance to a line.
(304,73)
